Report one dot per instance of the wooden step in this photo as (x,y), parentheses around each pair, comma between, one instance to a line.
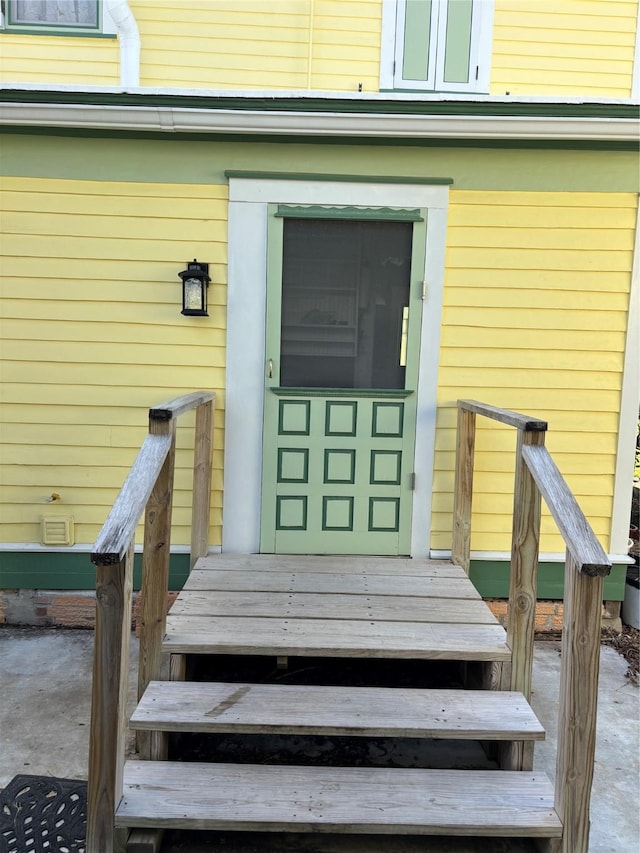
(354,711)
(337,799)
(187,634)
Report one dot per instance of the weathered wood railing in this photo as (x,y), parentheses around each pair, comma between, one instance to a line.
(586,565)
(149,489)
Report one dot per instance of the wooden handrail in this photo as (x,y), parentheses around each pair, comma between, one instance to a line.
(147,489)
(179,405)
(124,516)
(504,416)
(536,477)
(588,554)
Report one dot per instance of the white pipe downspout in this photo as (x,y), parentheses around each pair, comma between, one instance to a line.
(129,38)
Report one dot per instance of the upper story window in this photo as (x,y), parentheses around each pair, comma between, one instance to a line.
(436,45)
(67,17)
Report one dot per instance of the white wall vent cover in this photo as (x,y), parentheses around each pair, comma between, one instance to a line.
(57,530)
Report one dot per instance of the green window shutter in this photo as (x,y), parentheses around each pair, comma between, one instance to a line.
(457,42)
(418,29)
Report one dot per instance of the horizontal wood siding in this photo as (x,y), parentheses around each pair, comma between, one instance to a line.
(568,47)
(564,47)
(56,59)
(286,44)
(534,319)
(92,336)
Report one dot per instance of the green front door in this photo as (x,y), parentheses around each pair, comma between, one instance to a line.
(344,302)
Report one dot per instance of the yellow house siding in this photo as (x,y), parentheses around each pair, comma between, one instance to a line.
(534,319)
(565,47)
(92,336)
(289,44)
(55,59)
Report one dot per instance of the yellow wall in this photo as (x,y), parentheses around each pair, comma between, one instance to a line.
(564,47)
(285,44)
(92,336)
(534,319)
(55,59)
(540,47)
(219,44)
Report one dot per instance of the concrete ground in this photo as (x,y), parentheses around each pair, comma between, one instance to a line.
(45,685)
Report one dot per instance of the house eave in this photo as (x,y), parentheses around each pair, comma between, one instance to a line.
(303,115)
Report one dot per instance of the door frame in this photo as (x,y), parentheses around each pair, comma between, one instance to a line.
(249,199)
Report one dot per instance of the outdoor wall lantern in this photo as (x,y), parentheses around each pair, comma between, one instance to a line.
(195,283)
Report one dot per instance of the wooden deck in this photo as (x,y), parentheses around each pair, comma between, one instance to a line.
(333,606)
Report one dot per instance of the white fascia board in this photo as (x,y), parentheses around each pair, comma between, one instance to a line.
(395,126)
(82,548)
(505,556)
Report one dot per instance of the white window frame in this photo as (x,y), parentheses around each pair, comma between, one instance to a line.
(392,49)
(106,25)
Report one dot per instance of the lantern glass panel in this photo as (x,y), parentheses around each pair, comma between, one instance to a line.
(194,294)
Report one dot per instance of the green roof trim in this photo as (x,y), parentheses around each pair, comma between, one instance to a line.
(357,179)
(418,107)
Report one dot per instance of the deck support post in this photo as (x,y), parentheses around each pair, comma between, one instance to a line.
(578,704)
(523,584)
(463,489)
(108,700)
(202,464)
(155,582)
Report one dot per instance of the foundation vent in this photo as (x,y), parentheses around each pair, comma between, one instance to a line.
(57,530)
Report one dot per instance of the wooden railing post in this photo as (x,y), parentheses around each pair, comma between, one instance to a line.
(578,704)
(463,488)
(108,700)
(523,589)
(202,463)
(155,579)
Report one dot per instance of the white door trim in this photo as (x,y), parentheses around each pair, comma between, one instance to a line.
(246,314)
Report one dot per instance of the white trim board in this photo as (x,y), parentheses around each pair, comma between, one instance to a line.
(82,548)
(246,309)
(348,124)
(505,557)
(629,405)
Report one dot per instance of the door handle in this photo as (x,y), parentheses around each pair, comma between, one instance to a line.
(270,369)
(403,336)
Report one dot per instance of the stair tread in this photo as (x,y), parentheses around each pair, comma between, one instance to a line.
(337,799)
(187,634)
(378,712)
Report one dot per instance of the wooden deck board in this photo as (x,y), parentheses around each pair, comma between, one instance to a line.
(334,637)
(333,606)
(425,586)
(360,711)
(329,563)
(338,799)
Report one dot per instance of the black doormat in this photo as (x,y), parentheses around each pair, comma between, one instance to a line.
(40,814)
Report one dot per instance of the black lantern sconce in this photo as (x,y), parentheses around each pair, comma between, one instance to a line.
(195,283)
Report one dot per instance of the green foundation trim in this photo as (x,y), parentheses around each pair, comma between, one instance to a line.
(35,570)
(176,160)
(491,579)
